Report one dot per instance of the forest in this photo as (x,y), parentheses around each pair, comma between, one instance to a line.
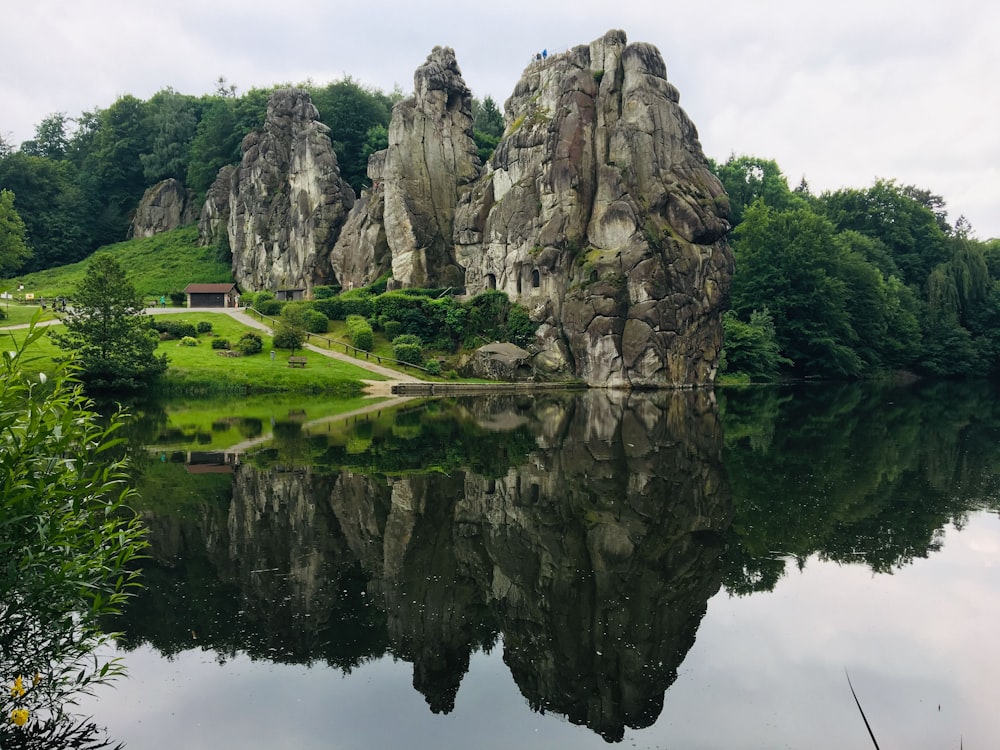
(847,284)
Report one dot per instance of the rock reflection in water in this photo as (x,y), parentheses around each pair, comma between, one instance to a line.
(584,531)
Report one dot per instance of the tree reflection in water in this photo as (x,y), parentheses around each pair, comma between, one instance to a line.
(586,532)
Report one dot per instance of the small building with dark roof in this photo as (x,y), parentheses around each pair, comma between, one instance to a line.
(212,295)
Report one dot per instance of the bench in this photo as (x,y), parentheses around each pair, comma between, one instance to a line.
(297,361)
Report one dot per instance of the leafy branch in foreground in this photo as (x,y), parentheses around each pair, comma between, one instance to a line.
(67,538)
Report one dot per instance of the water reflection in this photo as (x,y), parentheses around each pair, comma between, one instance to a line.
(585,532)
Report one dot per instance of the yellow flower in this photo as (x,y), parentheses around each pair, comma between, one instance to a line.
(18,690)
(19,716)
(36,679)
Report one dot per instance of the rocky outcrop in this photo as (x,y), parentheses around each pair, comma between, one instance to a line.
(406,222)
(213,224)
(500,361)
(287,200)
(164,206)
(597,212)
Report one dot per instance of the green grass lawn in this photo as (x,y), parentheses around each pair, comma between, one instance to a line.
(157,265)
(17,314)
(203,370)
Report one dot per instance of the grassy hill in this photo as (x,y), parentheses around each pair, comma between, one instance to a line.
(156,266)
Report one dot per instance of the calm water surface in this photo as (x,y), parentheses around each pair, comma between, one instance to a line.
(655,570)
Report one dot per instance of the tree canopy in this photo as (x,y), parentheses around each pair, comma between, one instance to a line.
(110,338)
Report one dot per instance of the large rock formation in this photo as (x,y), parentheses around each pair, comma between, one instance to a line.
(164,206)
(287,199)
(597,212)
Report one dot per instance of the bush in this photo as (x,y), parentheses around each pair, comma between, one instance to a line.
(220,343)
(178,299)
(360,331)
(286,337)
(392,329)
(173,329)
(331,307)
(407,338)
(315,321)
(269,307)
(433,366)
(189,341)
(410,353)
(249,343)
(204,326)
(357,302)
(325,292)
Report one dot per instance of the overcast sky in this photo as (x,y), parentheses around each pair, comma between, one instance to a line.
(839,93)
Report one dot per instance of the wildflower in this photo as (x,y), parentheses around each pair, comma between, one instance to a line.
(19,716)
(18,689)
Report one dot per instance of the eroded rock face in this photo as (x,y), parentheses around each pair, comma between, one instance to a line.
(213,223)
(406,222)
(599,213)
(287,200)
(164,206)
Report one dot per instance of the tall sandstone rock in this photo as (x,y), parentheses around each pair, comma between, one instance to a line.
(597,212)
(287,200)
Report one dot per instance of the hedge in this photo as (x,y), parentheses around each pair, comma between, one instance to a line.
(360,331)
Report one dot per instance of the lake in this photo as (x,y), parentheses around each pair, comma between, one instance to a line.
(571,570)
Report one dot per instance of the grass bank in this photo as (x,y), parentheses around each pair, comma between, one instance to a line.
(156,265)
(200,370)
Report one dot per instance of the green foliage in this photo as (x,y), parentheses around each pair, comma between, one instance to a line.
(410,353)
(290,331)
(315,321)
(325,292)
(13,249)
(249,343)
(487,127)
(433,366)
(268,306)
(354,114)
(392,329)
(172,328)
(108,335)
(189,341)
(360,332)
(748,179)
(67,538)
(220,343)
(751,349)
(204,326)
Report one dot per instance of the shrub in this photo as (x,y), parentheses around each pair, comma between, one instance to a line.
(178,299)
(269,307)
(411,353)
(325,292)
(315,321)
(407,338)
(189,341)
(249,343)
(204,326)
(360,331)
(173,329)
(331,307)
(357,303)
(433,366)
(392,329)
(220,343)
(286,337)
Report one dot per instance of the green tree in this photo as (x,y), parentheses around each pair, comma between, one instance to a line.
(13,248)
(751,348)
(748,179)
(351,111)
(173,120)
(290,330)
(106,331)
(57,214)
(906,226)
(790,261)
(51,139)
(67,538)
